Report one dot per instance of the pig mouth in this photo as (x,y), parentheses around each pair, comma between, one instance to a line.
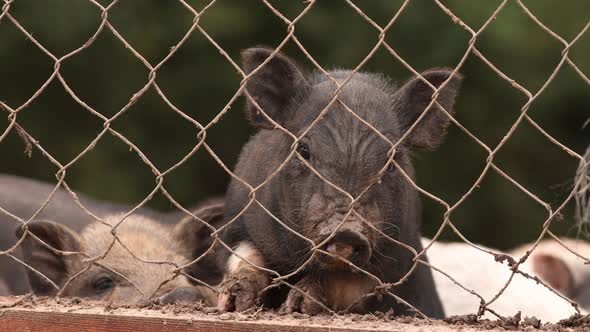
(345,249)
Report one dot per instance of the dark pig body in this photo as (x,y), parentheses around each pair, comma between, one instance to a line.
(350,155)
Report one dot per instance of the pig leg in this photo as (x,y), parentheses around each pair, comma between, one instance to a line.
(297,301)
(335,290)
(243,282)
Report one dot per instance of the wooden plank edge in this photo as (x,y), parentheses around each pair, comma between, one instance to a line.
(55,315)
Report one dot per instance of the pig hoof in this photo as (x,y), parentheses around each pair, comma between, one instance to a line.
(237,295)
(305,303)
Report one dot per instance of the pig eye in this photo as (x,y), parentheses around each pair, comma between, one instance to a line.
(303,150)
(103,284)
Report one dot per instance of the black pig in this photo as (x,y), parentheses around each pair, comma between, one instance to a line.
(350,155)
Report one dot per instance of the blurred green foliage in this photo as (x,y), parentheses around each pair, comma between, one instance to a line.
(200,82)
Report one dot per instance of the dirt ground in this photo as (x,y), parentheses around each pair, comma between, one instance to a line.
(349,322)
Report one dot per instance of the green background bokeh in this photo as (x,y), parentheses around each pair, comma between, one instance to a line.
(199,81)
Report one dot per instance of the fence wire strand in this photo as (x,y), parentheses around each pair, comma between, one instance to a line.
(580,191)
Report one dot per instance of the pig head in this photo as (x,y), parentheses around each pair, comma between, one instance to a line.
(306,197)
(140,266)
(22,197)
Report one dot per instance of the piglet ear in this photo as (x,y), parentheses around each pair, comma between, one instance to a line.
(192,234)
(50,263)
(554,271)
(413,98)
(272,86)
(194,238)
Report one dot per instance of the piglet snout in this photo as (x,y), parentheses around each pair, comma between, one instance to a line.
(348,245)
(188,295)
(340,249)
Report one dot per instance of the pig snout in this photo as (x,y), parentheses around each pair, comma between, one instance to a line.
(188,295)
(349,245)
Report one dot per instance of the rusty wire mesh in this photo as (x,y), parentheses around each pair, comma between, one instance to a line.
(578,190)
(583,194)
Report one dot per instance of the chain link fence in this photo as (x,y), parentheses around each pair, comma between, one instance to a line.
(173,256)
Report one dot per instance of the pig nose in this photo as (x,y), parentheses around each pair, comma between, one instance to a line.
(351,246)
(186,295)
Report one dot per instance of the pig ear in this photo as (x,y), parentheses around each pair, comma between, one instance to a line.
(554,271)
(272,86)
(194,239)
(412,99)
(192,234)
(51,264)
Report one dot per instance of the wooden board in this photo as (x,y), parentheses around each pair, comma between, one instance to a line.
(68,316)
